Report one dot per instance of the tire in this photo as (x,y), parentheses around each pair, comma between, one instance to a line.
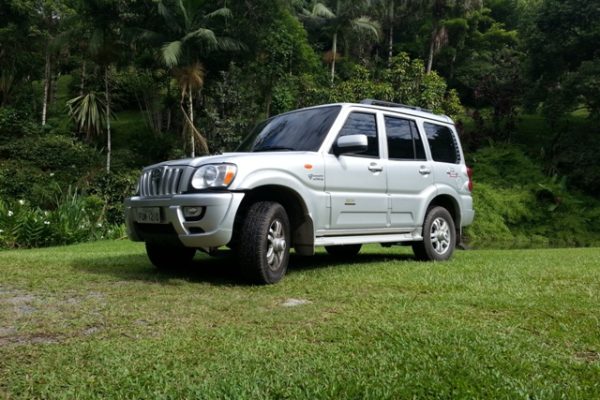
(346,251)
(169,258)
(263,248)
(439,236)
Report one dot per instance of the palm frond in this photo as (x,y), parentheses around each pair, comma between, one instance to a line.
(221,12)
(366,24)
(191,76)
(96,41)
(171,52)
(184,12)
(206,36)
(321,10)
(229,44)
(168,17)
(88,111)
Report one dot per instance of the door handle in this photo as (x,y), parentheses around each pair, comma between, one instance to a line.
(424,170)
(375,168)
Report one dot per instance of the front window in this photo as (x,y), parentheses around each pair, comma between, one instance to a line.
(359,123)
(302,130)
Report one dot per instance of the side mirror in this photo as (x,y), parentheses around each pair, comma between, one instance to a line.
(351,144)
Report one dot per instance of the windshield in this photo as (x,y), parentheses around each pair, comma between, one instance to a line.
(302,130)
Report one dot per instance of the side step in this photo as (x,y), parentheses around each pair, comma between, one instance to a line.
(363,239)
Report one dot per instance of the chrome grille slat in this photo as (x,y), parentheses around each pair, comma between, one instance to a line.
(160,181)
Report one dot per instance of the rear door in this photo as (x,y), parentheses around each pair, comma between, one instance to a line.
(410,174)
(357,183)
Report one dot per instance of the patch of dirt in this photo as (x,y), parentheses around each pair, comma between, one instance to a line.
(295,302)
(588,356)
(29,339)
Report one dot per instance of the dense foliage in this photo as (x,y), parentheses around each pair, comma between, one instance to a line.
(91,90)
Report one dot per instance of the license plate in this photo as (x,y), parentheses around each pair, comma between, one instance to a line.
(148,215)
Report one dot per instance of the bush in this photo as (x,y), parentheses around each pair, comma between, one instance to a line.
(517,206)
(36,166)
(73,219)
(111,189)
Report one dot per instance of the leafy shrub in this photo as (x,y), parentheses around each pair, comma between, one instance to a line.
(516,205)
(73,219)
(36,166)
(111,189)
(15,124)
(52,152)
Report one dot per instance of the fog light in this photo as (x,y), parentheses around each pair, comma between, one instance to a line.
(193,213)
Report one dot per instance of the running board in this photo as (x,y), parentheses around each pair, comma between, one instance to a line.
(343,240)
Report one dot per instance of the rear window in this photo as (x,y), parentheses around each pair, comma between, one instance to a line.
(442,143)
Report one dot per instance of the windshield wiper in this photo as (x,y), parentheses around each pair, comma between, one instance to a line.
(273,148)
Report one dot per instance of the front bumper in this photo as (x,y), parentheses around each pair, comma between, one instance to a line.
(213,229)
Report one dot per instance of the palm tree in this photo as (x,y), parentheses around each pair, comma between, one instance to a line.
(344,17)
(391,11)
(441,10)
(88,112)
(104,33)
(186,39)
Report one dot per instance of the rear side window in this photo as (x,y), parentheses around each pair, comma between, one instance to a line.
(403,139)
(442,143)
(362,124)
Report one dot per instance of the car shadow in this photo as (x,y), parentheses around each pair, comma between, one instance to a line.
(220,269)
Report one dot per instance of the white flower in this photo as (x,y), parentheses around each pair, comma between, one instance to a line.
(1,230)
(46,222)
(51,173)
(22,202)
(46,213)
(10,213)
(99,225)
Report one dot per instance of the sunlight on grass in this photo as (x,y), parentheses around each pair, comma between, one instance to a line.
(96,320)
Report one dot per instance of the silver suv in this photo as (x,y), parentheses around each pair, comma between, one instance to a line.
(336,175)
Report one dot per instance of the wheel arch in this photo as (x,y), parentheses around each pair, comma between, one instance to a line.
(301,224)
(450,204)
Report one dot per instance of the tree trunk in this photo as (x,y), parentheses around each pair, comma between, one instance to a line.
(333,55)
(391,37)
(334,46)
(431,50)
(191,114)
(47,77)
(108,133)
(82,79)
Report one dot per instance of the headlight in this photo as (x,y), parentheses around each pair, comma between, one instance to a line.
(213,176)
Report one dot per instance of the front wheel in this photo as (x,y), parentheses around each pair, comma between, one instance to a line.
(169,258)
(263,248)
(439,236)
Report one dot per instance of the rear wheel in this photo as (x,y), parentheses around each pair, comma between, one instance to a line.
(439,236)
(263,248)
(168,257)
(346,251)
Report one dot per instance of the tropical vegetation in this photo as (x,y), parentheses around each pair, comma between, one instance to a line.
(92,90)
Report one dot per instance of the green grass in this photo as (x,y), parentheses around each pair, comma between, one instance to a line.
(97,321)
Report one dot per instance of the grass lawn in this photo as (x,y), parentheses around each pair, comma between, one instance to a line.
(97,321)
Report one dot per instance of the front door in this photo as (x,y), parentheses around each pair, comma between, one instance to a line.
(357,183)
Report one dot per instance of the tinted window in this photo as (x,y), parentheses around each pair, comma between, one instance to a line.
(442,143)
(362,124)
(302,130)
(404,141)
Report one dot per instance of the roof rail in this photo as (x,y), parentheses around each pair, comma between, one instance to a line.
(383,103)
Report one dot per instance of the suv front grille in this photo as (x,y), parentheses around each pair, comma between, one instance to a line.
(160,181)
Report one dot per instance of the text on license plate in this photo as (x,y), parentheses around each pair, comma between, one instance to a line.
(148,215)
